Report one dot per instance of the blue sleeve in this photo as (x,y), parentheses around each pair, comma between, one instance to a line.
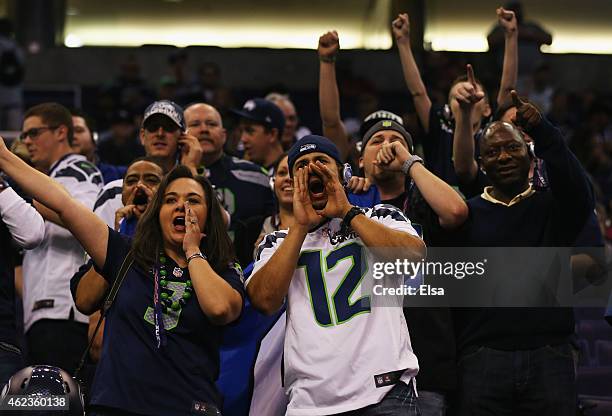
(234,276)
(365,200)
(76,278)
(128,226)
(116,251)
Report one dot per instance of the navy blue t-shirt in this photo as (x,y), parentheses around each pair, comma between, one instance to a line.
(133,374)
(438,146)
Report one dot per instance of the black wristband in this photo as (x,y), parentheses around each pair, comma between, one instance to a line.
(353,212)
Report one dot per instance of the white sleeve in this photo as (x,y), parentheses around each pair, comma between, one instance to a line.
(265,250)
(391,217)
(23,221)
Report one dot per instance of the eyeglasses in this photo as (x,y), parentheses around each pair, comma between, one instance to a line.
(166,125)
(34,132)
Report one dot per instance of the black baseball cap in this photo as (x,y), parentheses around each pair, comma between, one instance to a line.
(263,111)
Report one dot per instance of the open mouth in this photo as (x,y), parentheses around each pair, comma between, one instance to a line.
(315,187)
(179,223)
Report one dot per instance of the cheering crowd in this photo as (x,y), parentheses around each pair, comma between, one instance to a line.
(158,247)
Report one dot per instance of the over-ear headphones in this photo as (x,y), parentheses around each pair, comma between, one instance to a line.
(347,174)
(531,150)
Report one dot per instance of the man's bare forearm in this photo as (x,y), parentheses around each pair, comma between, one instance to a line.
(268,287)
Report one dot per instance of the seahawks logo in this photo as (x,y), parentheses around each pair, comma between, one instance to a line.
(308,146)
(249,105)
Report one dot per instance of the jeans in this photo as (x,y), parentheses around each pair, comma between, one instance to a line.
(432,403)
(400,401)
(530,382)
(11,361)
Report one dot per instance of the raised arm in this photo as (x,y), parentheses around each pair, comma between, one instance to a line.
(219,301)
(443,200)
(375,235)
(507,21)
(464,97)
(329,98)
(91,231)
(566,176)
(48,214)
(422,103)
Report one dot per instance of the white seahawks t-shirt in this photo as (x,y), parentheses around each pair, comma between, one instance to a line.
(338,350)
(47,269)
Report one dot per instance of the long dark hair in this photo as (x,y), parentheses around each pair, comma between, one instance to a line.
(148,239)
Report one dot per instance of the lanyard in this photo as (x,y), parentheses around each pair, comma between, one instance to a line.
(160,332)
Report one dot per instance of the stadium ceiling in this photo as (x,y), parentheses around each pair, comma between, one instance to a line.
(578,26)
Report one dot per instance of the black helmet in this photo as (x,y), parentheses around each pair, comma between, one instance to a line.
(45,380)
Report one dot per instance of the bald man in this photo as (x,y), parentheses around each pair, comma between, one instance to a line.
(242,186)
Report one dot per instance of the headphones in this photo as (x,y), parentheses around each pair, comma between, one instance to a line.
(347,174)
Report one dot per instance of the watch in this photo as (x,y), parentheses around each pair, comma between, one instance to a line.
(409,162)
(195,255)
(352,213)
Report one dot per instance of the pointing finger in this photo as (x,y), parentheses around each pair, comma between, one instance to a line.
(470,75)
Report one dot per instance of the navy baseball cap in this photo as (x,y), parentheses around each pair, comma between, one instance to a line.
(311,144)
(387,125)
(263,111)
(168,108)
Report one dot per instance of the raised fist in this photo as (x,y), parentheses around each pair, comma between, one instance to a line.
(401,27)
(527,115)
(329,45)
(507,20)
